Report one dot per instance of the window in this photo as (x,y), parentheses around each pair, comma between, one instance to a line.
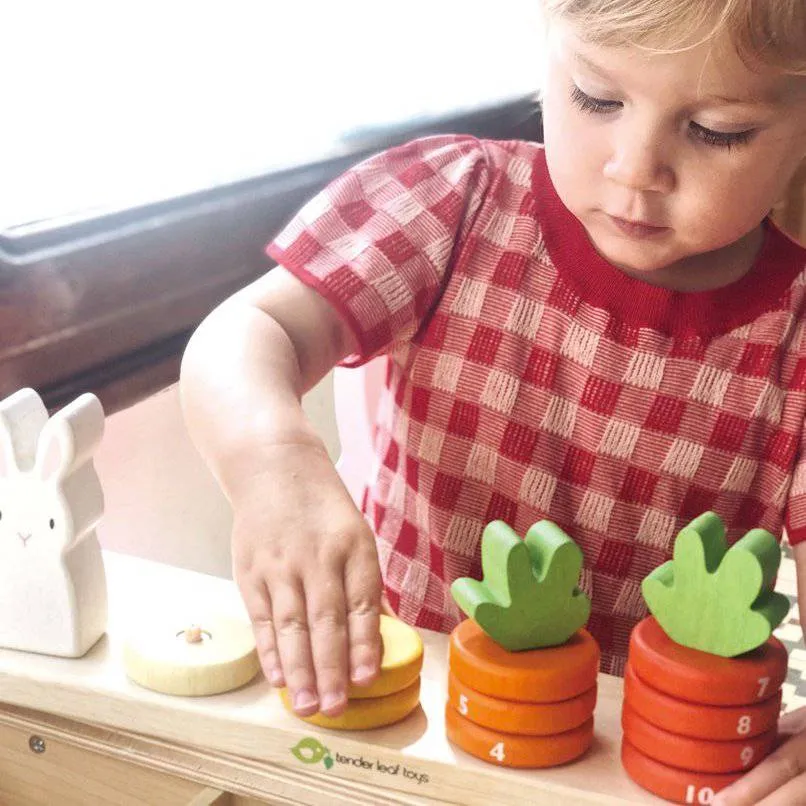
(150,150)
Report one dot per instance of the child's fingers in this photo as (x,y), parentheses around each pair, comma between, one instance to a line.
(327,622)
(774,781)
(294,645)
(258,605)
(363,590)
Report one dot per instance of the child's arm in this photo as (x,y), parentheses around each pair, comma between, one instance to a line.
(304,557)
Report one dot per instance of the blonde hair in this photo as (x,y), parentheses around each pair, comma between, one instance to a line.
(765,33)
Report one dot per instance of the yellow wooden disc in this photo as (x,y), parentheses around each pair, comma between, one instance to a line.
(365,713)
(401,662)
(192,660)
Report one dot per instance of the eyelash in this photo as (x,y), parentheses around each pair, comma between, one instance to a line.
(597,106)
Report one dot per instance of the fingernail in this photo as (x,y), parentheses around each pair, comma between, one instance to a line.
(304,699)
(363,673)
(277,678)
(330,701)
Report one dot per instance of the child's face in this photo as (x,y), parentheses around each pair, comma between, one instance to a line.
(693,146)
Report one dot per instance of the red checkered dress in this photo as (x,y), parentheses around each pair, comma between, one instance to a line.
(530,379)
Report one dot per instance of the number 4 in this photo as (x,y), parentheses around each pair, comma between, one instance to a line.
(498,752)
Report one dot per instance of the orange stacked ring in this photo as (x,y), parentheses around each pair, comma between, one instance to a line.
(695,722)
(695,676)
(521,709)
(718,722)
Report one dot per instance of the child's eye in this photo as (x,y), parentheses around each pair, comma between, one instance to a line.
(587,103)
(720,139)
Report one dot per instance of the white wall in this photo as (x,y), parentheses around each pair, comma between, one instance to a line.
(161,501)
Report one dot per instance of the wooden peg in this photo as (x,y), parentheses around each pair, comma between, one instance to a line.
(529,596)
(700,677)
(538,675)
(716,599)
(52,580)
(509,750)
(698,755)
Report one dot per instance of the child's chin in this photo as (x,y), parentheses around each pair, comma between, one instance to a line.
(638,260)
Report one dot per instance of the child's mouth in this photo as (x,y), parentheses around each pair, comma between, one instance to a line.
(636,229)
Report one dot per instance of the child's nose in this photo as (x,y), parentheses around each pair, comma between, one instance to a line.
(637,162)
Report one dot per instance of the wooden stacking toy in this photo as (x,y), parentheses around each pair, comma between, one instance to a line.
(702,687)
(392,696)
(522,671)
(196,660)
(52,579)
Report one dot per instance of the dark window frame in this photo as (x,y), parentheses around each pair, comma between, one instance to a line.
(107,303)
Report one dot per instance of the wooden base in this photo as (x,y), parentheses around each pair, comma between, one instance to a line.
(508,750)
(670,783)
(699,677)
(525,719)
(366,714)
(698,755)
(545,675)
(714,722)
(247,734)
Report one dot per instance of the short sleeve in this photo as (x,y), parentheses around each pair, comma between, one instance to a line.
(795,518)
(378,241)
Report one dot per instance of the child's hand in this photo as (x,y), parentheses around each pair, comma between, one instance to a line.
(780,780)
(306,564)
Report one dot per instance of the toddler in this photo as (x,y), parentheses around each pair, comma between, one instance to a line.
(606,331)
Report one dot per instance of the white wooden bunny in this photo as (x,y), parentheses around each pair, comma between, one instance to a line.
(52,581)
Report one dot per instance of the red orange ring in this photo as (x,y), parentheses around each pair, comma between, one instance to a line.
(678,786)
(716,722)
(700,677)
(698,755)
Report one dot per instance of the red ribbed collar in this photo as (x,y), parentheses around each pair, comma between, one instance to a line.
(674,313)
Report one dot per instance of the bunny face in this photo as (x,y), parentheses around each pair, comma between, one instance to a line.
(50,495)
(52,581)
(34,519)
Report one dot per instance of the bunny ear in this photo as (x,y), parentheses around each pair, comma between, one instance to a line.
(72,434)
(22,417)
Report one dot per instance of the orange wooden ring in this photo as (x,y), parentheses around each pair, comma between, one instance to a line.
(699,755)
(671,783)
(536,675)
(719,722)
(511,750)
(700,677)
(526,719)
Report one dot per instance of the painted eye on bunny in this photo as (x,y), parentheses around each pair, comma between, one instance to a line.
(52,523)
